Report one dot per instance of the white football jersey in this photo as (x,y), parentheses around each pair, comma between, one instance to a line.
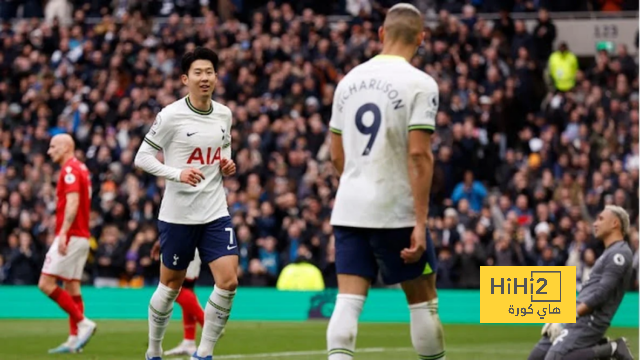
(374,107)
(193,138)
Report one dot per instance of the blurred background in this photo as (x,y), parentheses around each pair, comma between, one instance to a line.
(537,128)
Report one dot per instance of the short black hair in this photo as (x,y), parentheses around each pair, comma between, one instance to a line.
(200,53)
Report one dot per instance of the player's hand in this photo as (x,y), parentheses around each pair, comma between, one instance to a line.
(552,331)
(62,244)
(418,245)
(155,251)
(191,176)
(227,166)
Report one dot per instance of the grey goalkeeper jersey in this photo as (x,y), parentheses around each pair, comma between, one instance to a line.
(610,278)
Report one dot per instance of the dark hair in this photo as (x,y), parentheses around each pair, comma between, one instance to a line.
(200,53)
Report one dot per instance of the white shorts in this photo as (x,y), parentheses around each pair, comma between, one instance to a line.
(70,266)
(193,270)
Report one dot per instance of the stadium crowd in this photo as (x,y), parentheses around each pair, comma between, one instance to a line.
(522,168)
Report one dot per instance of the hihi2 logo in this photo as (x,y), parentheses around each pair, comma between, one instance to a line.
(527,294)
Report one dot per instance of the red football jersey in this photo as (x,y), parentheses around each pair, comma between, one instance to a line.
(74,177)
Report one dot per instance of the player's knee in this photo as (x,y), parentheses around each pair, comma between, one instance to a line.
(47,284)
(72,287)
(537,354)
(420,290)
(229,283)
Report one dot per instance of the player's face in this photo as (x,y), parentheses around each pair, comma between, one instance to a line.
(603,224)
(55,150)
(201,79)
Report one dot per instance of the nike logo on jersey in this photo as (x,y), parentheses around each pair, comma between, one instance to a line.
(229,247)
(193,133)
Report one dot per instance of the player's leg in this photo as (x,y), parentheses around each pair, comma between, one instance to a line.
(579,341)
(541,349)
(356,267)
(177,246)
(617,349)
(67,268)
(219,249)
(419,284)
(73,288)
(192,312)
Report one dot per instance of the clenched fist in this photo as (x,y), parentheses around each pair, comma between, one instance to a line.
(227,166)
(191,176)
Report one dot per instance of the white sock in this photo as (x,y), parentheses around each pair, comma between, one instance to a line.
(343,327)
(189,342)
(427,334)
(216,314)
(160,309)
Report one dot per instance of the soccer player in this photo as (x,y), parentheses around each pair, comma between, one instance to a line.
(192,312)
(68,253)
(194,134)
(598,300)
(383,115)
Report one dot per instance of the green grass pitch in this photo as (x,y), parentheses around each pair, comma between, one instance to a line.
(126,340)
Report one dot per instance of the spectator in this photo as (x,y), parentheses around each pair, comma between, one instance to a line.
(544,35)
(301,275)
(472,191)
(467,261)
(108,258)
(23,262)
(563,68)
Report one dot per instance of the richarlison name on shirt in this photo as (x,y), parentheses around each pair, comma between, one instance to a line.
(372,84)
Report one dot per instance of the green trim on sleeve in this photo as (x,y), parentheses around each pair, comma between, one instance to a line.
(422,127)
(152,144)
(335,131)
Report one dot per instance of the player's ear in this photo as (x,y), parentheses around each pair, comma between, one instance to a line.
(381,33)
(184,79)
(421,37)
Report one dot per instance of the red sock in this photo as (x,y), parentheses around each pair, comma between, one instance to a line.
(189,326)
(65,301)
(190,305)
(73,326)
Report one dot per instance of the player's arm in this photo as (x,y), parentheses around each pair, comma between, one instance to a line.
(227,165)
(70,211)
(420,172)
(71,188)
(614,270)
(337,152)
(335,127)
(159,135)
(420,156)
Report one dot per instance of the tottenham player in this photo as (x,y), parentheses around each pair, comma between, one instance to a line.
(194,134)
(68,253)
(598,300)
(192,312)
(383,115)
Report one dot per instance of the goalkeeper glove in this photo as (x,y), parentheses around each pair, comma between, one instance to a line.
(552,331)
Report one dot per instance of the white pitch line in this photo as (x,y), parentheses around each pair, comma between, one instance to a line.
(369,350)
(304,353)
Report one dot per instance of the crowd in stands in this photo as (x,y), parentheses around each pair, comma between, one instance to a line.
(522,168)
